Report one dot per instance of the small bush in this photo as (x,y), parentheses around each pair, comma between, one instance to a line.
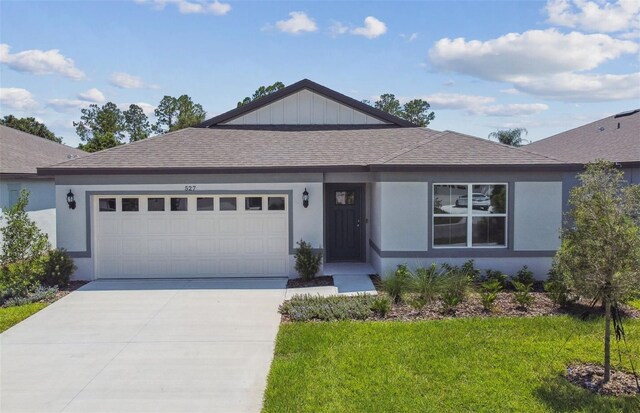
(558,290)
(398,284)
(455,285)
(470,271)
(499,276)
(522,295)
(58,268)
(308,307)
(307,263)
(427,285)
(381,306)
(489,293)
(40,293)
(524,276)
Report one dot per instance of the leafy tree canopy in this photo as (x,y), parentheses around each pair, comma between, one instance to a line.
(177,113)
(100,127)
(511,137)
(262,91)
(415,111)
(30,125)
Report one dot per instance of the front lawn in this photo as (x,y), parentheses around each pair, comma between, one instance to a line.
(456,365)
(10,316)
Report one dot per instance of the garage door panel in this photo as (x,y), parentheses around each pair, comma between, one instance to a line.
(149,244)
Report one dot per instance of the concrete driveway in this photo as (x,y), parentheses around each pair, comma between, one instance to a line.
(145,346)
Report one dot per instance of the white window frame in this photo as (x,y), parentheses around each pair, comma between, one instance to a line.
(469,216)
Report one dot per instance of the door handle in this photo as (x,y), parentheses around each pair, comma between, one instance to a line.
(358,223)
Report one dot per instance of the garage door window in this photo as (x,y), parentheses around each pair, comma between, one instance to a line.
(178,204)
(130,205)
(204,204)
(253,203)
(276,203)
(107,204)
(155,204)
(228,204)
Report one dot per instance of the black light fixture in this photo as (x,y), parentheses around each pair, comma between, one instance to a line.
(71,200)
(305,198)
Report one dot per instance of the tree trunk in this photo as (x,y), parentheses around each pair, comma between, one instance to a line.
(607,341)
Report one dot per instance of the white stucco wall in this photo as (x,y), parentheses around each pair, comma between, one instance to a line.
(537,215)
(305,108)
(403,216)
(41,207)
(71,224)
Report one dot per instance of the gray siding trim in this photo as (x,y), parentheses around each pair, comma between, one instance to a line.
(265,178)
(87,252)
(460,253)
(481,175)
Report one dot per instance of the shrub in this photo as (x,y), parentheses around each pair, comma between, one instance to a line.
(470,271)
(58,268)
(40,293)
(558,290)
(398,284)
(455,284)
(524,276)
(427,285)
(489,293)
(381,306)
(522,295)
(307,263)
(308,307)
(499,276)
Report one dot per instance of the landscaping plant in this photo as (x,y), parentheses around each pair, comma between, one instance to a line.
(398,284)
(23,249)
(499,276)
(455,285)
(309,307)
(489,293)
(557,289)
(307,262)
(58,268)
(426,284)
(381,306)
(599,256)
(524,275)
(522,296)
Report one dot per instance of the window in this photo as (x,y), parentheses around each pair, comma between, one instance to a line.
(178,204)
(130,205)
(253,203)
(204,204)
(469,215)
(107,204)
(276,203)
(155,204)
(345,197)
(228,204)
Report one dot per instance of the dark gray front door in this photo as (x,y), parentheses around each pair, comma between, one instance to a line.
(345,222)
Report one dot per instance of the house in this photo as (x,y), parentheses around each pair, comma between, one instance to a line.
(232,196)
(615,138)
(20,155)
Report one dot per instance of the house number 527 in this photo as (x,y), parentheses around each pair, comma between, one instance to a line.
(189,188)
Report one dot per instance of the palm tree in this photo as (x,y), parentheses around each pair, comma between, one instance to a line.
(511,137)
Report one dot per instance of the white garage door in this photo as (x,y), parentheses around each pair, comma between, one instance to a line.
(184,236)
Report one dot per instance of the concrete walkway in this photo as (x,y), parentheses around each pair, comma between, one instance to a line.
(145,346)
(342,285)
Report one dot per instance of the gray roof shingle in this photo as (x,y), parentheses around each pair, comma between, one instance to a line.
(613,138)
(276,148)
(22,153)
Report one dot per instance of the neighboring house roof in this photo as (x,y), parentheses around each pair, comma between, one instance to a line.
(615,138)
(22,153)
(300,148)
(314,87)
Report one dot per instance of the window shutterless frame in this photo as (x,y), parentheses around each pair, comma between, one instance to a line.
(469,215)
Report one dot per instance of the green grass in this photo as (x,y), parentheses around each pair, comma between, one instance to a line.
(11,316)
(460,365)
(635,303)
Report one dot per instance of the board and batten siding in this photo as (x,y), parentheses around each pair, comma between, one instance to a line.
(305,108)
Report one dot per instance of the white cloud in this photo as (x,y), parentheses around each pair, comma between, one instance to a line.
(337,29)
(372,28)
(191,7)
(67,105)
(126,81)
(147,108)
(40,62)
(92,95)
(540,62)
(457,101)
(409,37)
(510,91)
(17,98)
(482,105)
(595,16)
(298,22)
(510,110)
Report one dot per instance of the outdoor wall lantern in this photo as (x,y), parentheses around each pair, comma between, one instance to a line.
(71,200)
(305,198)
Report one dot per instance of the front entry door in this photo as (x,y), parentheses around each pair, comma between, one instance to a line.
(345,221)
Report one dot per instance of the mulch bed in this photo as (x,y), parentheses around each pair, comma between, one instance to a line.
(589,376)
(323,281)
(73,285)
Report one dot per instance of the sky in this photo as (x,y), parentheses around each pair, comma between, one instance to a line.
(547,66)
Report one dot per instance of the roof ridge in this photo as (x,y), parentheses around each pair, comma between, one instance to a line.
(49,141)
(406,149)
